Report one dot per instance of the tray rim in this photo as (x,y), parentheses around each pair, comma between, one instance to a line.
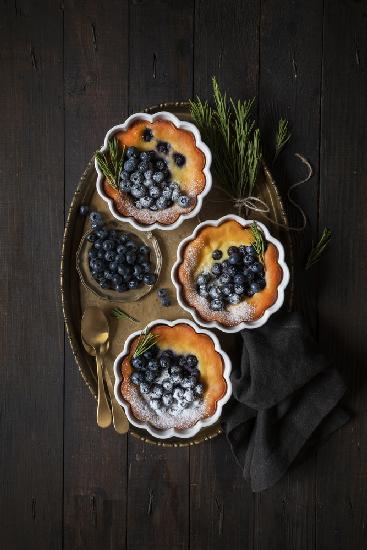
(76,346)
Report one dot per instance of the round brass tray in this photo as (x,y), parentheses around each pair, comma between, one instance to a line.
(75,297)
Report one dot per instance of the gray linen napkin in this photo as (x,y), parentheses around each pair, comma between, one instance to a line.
(285,399)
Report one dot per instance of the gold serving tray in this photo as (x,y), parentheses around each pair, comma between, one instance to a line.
(75,297)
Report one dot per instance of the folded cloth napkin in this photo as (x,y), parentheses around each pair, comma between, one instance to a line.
(285,399)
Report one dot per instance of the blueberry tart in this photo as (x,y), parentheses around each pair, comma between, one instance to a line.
(163,171)
(230,274)
(177,383)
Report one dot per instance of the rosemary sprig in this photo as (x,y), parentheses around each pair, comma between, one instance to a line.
(229,130)
(317,250)
(282,137)
(146,341)
(110,162)
(121,314)
(259,242)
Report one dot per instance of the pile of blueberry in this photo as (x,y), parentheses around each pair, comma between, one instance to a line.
(170,382)
(147,179)
(116,260)
(230,281)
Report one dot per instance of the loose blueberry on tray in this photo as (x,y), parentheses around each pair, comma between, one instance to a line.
(117,261)
(229,282)
(170,382)
(146,178)
(163,296)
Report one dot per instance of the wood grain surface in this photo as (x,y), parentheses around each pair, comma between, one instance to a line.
(69,71)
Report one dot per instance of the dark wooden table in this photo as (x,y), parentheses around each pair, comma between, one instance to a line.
(69,71)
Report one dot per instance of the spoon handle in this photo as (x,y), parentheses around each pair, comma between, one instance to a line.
(103,410)
(120,422)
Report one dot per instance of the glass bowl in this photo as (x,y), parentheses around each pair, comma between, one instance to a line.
(82,265)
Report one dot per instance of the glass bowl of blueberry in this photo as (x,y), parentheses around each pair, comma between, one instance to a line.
(115,264)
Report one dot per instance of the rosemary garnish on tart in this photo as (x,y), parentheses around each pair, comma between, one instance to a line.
(146,341)
(317,250)
(259,242)
(110,162)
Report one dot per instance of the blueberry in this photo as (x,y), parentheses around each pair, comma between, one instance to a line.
(136,178)
(149,376)
(165,361)
(100,254)
(249,274)
(183,201)
(147,266)
(144,249)
(163,147)
(216,269)
(227,290)
(147,134)
(165,301)
(138,363)
(103,283)
(257,267)
(178,393)
(155,404)
(234,299)
(146,156)
(217,305)
(144,388)
(132,152)
(150,278)
(121,249)
(189,382)
(239,289)
(124,176)
(153,207)
(97,265)
(167,399)
(167,193)
(116,280)
(167,384)
(161,292)
(110,256)
(176,195)
(149,354)
(162,203)
(93,253)
(131,258)
(130,165)
(202,279)
(154,192)
(146,202)
(250,250)
(124,237)
(95,275)
(179,159)
(191,360)
(95,218)
(84,210)
(215,292)
(239,279)
(153,364)
(233,250)
(217,254)
(224,279)
(124,270)
(255,287)
(138,191)
(121,288)
(158,177)
(232,269)
(135,378)
(156,391)
(113,234)
(144,167)
(107,244)
(107,275)
(249,259)
(102,233)
(92,237)
(234,258)
(203,291)
(262,283)
(188,395)
(137,270)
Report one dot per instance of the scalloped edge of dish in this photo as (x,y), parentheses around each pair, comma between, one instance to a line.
(180,124)
(173,432)
(214,324)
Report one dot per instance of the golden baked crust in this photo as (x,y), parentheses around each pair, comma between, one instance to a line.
(197,257)
(182,339)
(190,177)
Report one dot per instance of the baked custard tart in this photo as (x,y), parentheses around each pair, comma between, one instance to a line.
(230,274)
(172,379)
(163,171)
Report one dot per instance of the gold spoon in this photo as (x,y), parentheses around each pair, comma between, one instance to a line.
(95,331)
(120,422)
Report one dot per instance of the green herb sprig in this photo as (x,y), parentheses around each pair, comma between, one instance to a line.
(121,314)
(110,162)
(282,137)
(259,242)
(146,341)
(318,249)
(229,130)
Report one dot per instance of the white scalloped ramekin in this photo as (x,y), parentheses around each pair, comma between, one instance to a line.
(173,432)
(181,124)
(214,324)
